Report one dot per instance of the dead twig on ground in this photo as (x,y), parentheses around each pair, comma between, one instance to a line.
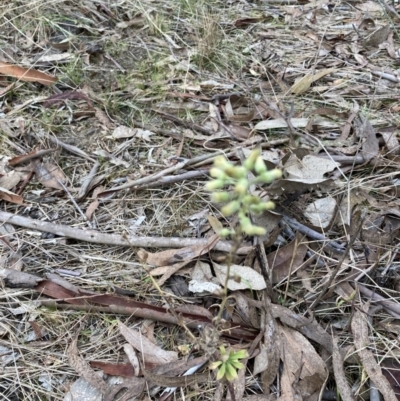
(113,239)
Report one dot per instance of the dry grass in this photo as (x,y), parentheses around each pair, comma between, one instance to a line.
(172,48)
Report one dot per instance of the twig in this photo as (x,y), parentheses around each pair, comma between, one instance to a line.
(114,239)
(33,155)
(172,179)
(69,148)
(392,307)
(145,180)
(75,204)
(312,234)
(187,124)
(338,267)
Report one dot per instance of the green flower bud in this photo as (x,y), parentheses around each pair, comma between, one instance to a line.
(230,208)
(236,172)
(245,222)
(216,172)
(254,230)
(222,163)
(215,184)
(221,197)
(251,200)
(269,176)
(259,166)
(250,161)
(242,186)
(261,207)
(225,232)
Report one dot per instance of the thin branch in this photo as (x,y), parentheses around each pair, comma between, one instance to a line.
(114,239)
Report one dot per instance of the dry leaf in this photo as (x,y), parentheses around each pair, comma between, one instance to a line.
(215,224)
(150,352)
(286,260)
(304,83)
(133,359)
(59,98)
(123,132)
(114,369)
(83,368)
(391,142)
(172,256)
(340,375)
(14,161)
(359,328)
(91,209)
(367,133)
(203,279)
(267,362)
(281,123)
(377,37)
(50,175)
(320,213)
(26,74)
(310,169)
(9,196)
(306,369)
(241,277)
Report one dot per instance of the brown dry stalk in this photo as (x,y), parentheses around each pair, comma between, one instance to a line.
(359,327)
(114,239)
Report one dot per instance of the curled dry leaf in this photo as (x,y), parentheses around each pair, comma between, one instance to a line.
(26,74)
(203,279)
(14,161)
(172,256)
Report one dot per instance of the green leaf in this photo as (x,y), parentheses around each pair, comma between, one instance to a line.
(221,372)
(230,373)
(236,364)
(241,354)
(215,365)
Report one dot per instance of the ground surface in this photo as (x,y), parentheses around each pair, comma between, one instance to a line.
(147,94)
